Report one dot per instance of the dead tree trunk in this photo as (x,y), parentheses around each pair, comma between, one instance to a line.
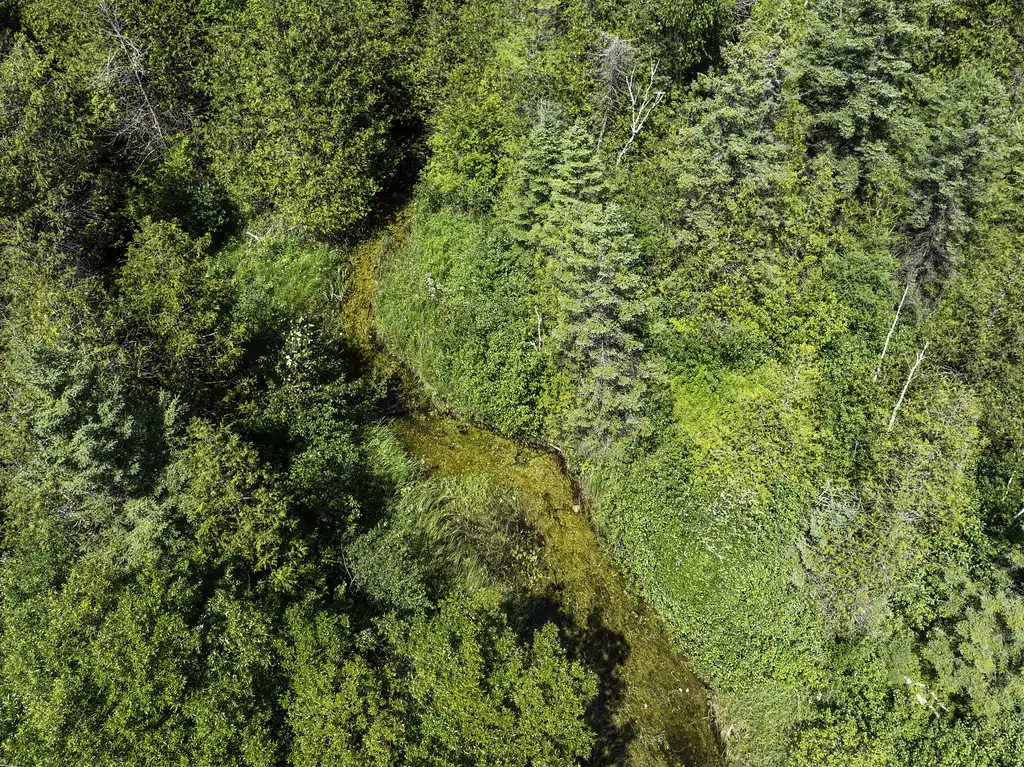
(889,337)
(913,369)
(641,105)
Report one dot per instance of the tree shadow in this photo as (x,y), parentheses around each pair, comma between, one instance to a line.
(601,650)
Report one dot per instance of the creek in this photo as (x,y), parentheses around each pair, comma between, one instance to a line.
(651,709)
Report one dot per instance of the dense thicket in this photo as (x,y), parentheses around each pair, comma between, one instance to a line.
(213,553)
(774,315)
(753,267)
(197,501)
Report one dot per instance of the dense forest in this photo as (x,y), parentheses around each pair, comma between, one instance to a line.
(749,271)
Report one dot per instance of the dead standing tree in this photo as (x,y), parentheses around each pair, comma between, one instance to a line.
(642,104)
(616,71)
(910,377)
(888,338)
(141,125)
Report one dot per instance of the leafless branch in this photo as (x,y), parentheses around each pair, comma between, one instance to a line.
(913,369)
(642,104)
(142,125)
(888,337)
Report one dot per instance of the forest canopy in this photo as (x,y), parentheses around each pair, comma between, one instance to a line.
(751,269)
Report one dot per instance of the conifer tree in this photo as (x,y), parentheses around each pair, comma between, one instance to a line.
(603,314)
(529,197)
(578,175)
(586,279)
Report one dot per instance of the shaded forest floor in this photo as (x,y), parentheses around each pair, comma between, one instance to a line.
(651,709)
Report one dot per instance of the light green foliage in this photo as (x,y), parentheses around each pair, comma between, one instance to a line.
(339,705)
(708,519)
(91,427)
(532,51)
(556,247)
(976,650)
(458,688)
(447,535)
(276,265)
(306,107)
(488,65)
(789,538)
(171,291)
(451,303)
(979,327)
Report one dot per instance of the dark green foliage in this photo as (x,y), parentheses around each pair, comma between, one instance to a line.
(779,341)
(55,180)
(521,54)
(529,198)
(179,590)
(172,297)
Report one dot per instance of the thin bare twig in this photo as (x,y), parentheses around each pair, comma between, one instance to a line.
(125,74)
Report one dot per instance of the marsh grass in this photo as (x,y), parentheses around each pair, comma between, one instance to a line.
(504,513)
(651,709)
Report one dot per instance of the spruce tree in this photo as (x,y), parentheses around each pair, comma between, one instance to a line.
(603,313)
(578,175)
(587,280)
(528,200)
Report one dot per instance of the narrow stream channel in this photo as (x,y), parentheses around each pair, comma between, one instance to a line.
(651,709)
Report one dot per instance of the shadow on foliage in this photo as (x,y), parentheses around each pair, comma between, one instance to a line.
(602,651)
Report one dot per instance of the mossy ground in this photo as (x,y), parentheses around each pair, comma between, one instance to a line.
(651,709)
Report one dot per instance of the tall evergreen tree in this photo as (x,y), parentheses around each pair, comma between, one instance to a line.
(578,175)
(529,196)
(602,316)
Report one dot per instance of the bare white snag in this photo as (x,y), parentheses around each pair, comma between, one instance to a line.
(615,57)
(889,337)
(124,73)
(913,369)
(641,104)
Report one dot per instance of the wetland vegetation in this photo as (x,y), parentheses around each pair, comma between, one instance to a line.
(522,383)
